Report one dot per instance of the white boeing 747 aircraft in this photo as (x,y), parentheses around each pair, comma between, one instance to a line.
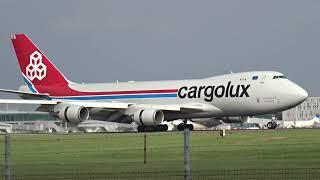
(149,103)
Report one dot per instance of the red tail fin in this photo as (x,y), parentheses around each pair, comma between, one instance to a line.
(35,66)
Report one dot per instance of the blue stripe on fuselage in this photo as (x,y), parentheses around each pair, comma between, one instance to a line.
(30,86)
(136,96)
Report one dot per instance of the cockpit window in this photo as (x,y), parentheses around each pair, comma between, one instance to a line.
(279,77)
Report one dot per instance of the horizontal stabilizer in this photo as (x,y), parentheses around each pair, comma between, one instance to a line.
(26,95)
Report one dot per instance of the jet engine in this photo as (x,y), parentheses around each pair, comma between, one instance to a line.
(72,114)
(148,117)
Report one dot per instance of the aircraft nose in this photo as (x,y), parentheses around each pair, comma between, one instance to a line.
(295,94)
(301,93)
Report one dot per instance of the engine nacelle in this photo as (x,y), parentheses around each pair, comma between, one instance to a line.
(72,114)
(240,119)
(148,117)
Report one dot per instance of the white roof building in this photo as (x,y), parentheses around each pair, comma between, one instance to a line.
(305,111)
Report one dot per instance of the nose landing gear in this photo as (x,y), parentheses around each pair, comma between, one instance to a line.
(272,125)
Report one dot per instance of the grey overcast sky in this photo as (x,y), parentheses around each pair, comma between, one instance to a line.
(104,41)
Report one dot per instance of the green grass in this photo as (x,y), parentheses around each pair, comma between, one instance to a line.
(113,153)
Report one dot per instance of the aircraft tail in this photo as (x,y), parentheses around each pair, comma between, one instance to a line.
(36,68)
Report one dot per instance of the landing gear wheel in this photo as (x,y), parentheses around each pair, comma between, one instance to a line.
(269,125)
(190,127)
(145,129)
(166,127)
(274,125)
(180,127)
(161,127)
(141,128)
(184,125)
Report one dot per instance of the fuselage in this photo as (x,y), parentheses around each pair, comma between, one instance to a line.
(236,94)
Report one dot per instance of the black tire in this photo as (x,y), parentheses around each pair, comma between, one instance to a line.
(141,129)
(270,125)
(190,127)
(180,127)
(164,127)
(151,128)
(274,125)
(158,128)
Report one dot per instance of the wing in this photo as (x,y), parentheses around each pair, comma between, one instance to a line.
(192,107)
(42,99)
(116,111)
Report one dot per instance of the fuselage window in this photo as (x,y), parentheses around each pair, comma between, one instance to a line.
(279,77)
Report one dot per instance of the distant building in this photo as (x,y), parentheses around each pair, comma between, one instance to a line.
(305,111)
(21,116)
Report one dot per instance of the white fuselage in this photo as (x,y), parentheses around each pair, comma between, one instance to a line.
(237,94)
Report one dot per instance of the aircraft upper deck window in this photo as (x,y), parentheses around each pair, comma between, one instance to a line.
(279,77)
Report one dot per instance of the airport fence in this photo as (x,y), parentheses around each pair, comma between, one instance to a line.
(242,174)
(282,154)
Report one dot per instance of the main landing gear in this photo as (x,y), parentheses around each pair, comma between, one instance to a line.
(157,128)
(184,125)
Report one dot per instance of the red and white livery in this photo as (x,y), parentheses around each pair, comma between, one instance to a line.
(149,103)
